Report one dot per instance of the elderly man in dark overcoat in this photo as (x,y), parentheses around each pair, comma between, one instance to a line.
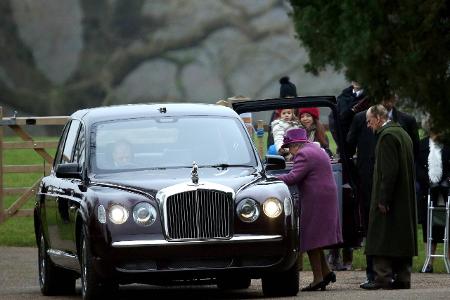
(392,228)
(361,141)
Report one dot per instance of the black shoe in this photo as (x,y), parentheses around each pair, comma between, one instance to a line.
(400,285)
(318,286)
(370,285)
(330,277)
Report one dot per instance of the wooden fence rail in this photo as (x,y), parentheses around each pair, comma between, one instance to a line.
(17,124)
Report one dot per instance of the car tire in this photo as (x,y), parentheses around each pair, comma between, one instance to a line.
(92,286)
(282,284)
(233,283)
(52,279)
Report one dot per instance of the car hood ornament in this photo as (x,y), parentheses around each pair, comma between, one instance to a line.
(194,173)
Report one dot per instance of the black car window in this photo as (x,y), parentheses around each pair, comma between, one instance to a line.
(79,155)
(61,144)
(69,144)
(171,143)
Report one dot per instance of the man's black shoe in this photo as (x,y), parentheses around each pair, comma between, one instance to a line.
(399,285)
(370,285)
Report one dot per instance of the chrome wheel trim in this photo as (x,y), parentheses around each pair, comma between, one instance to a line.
(42,262)
(83,268)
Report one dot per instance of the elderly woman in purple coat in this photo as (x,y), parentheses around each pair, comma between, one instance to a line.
(319,216)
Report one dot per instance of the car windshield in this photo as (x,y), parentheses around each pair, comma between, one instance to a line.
(169,142)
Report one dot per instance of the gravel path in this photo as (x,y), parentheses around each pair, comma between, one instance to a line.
(18,280)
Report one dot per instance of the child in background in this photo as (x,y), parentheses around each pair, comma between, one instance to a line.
(287,120)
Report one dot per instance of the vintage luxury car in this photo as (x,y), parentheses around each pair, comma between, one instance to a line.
(169,194)
(163,193)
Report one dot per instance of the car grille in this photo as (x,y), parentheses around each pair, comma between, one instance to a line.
(199,214)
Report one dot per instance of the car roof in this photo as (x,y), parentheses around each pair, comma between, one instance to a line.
(105,113)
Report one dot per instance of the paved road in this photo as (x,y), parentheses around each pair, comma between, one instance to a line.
(18,280)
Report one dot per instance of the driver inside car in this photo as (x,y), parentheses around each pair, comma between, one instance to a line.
(122,154)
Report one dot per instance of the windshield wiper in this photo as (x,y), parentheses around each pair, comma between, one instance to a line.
(223,166)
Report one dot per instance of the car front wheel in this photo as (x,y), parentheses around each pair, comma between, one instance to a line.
(92,287)
(52,279)
(281,284)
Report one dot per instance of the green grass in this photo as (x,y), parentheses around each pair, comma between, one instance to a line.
(19,231)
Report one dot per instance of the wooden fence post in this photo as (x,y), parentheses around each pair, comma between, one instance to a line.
(260,138)
(2,211)
(25,193)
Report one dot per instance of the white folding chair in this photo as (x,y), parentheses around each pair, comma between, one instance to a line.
(430,222)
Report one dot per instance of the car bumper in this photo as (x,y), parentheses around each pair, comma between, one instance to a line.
(154,260)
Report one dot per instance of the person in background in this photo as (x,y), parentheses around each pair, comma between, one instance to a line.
(406,121)
(287,90)
(319,215)
(309,119)
(350,101)
(392,230)
(280,126)
(361,141)
(433,175)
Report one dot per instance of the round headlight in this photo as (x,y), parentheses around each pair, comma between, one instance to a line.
(248,210)
(118,214)
(144,214)
(272,207)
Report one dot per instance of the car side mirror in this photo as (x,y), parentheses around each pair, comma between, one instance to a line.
(69,170)
(275,162)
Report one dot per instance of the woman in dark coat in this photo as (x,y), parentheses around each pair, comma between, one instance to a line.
(319,215)
(433,169)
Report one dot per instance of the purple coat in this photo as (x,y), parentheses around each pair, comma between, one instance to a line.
(319,218)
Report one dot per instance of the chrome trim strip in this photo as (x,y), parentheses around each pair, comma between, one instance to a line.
(63,258)
(54,252)
(235,239)
(123,187)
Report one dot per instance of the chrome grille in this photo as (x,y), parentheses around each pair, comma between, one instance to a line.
(199,214)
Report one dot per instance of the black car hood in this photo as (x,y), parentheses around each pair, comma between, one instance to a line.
(151,181)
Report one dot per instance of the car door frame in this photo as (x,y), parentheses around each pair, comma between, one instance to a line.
(348,174)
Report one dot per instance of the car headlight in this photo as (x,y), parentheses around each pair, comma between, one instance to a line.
(248,210)
(272,207)
(118,214)
(144,214)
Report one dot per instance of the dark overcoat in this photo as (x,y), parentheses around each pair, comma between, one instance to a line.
(393,234)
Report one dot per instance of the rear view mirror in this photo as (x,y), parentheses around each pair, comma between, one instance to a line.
(275,162)
(69,170)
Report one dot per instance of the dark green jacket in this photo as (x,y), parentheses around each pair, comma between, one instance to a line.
(394,233)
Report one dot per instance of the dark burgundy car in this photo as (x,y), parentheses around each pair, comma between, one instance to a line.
(161,194)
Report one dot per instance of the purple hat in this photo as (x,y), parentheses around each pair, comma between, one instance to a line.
(295,135)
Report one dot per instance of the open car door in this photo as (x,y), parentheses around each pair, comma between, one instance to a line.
(342,164)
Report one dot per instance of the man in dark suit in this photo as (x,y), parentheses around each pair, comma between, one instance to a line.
(362,140)
(352,100)
(405,120)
